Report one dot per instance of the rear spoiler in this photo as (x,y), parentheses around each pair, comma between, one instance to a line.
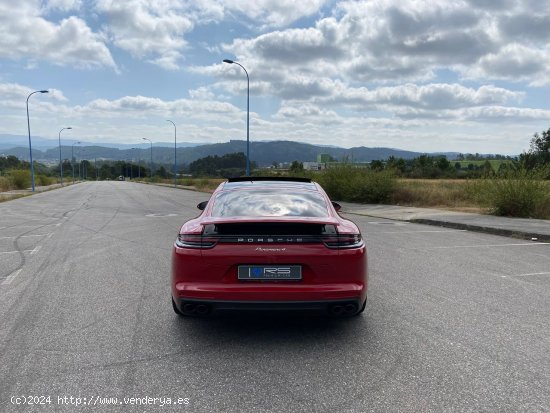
(300,220)
(268,178)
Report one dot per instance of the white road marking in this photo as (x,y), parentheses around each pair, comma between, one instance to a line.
(531,244)
(33,251)
(29,236)
(413,232)
(395,223)
(26,220)
(11,277)
(15,252)
(31,226)
(533,273)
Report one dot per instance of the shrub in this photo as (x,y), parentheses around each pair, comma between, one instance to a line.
(375,187)
(520,193)
(207,185)
(347,183)
(20,179)
(5,184)
(43,180)
(449,193)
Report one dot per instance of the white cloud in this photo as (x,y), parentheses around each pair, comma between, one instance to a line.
(63,5)
(368,72)
(26,34)
(155,30)
(138,106)
(15,95)
(274,13)
(433,97)
(308,113)
(409,40)
(515,62)
(202,93)
(129,118)
(506,114)
(151,30)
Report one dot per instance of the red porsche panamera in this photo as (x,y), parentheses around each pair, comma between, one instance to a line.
(269,244)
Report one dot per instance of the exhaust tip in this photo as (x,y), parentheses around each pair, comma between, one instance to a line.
(202,309)
(189,308)
(337,310)
(350,309)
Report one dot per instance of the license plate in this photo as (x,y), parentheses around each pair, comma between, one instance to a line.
(270,272)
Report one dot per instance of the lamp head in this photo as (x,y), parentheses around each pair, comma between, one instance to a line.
(228,61)
(43,91)
(68,127)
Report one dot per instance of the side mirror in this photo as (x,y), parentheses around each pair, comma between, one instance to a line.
(336,206)
(202,205)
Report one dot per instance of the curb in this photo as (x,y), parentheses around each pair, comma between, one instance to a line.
(488,230)
(524,235)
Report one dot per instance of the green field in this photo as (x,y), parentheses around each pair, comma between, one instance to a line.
(495,163)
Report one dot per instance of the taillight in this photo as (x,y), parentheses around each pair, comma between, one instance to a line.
(343,241)
(350,241)
(196,241)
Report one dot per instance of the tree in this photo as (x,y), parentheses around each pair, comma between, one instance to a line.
(12,162)
(296,167)
(162,172)
(442,163)
(231,164)
(377,165)
(541,143)
(397,164)
(487,169)
(539,151)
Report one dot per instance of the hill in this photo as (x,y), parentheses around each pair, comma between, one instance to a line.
(263,153)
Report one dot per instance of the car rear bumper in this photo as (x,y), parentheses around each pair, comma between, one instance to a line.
(259,291)
(341,307)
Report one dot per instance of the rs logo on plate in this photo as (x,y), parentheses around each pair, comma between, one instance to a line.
(270,271)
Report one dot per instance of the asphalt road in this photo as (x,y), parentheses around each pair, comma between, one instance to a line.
(455,321)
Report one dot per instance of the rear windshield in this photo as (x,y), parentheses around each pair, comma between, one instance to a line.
(269,203)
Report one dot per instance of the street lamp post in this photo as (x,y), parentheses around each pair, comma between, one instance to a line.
(151,142)
(29,129)
(60,159)
(72,157)
(175,173)
(139,162)
(80,168)
(247,114)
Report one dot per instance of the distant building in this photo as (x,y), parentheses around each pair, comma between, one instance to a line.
(313,166)
(324,158)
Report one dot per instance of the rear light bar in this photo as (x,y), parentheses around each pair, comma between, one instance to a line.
(343,241)
(197,241)
(330,238)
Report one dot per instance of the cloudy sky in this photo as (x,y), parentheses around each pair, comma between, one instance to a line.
(437,75)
